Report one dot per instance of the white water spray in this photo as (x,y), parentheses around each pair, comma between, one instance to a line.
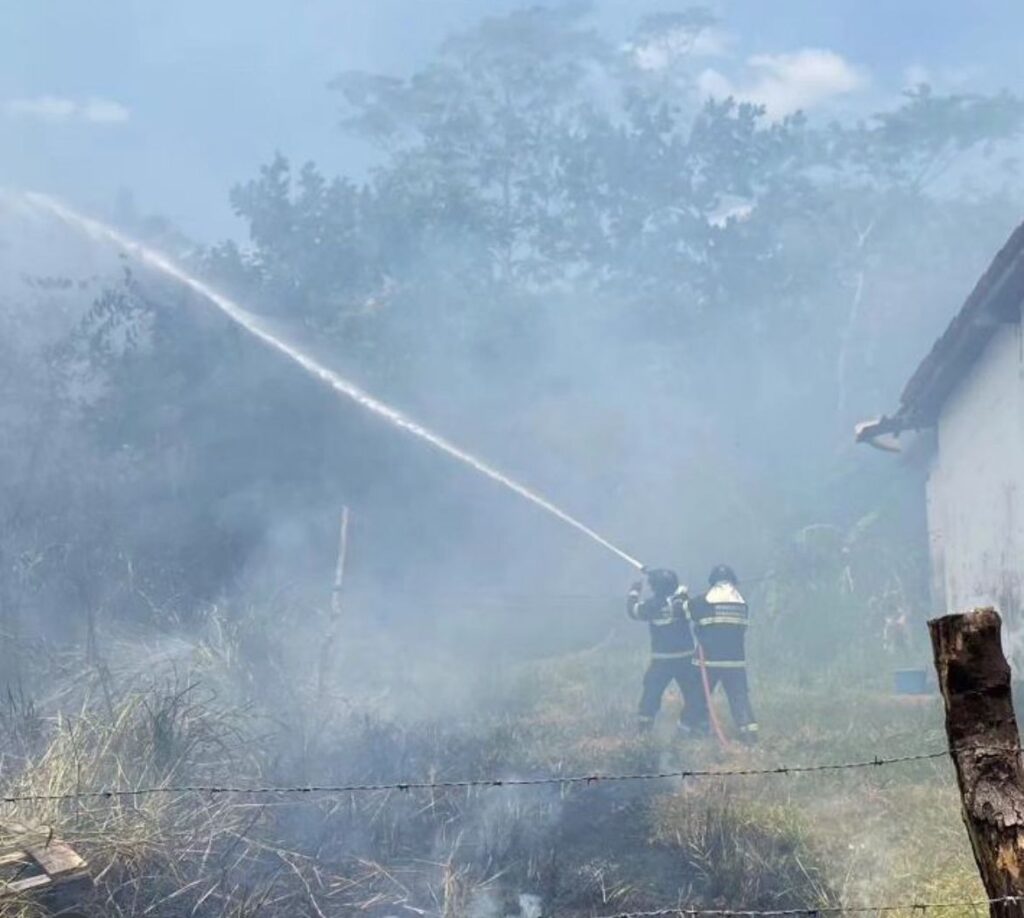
(251,324)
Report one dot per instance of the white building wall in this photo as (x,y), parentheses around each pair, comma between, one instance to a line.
(976,486)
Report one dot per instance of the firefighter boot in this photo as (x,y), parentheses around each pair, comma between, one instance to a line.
(748,734)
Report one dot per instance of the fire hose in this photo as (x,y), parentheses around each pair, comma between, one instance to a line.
(716,726)
(705,682)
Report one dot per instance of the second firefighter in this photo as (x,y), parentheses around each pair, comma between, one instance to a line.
(720,620)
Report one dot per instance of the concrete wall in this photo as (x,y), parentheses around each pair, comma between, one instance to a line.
(976,487)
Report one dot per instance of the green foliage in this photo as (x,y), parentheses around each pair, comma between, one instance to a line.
(316,244)
(918,141)
(839,590)
(532,157)
(576,258)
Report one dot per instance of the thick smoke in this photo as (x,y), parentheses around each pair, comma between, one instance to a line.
(574,260)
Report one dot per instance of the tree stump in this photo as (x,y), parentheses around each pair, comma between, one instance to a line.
(984,742)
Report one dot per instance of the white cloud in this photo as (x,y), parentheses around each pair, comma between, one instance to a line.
(59,109)
(104,111)
(44,108)
(730,207)
(711,43)
(915,75)
(717,85)
(786,83)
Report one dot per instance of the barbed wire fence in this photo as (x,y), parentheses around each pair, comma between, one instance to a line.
(681,910)
(684,911)
(469,783)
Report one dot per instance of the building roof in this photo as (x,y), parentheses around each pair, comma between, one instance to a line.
(995,300)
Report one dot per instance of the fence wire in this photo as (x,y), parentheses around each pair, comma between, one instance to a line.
(683,911)
(555,780)
(678,911)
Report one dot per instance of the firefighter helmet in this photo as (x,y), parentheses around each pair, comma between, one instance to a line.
(722,573)
(663,582)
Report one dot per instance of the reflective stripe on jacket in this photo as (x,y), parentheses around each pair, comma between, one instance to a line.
(720,619)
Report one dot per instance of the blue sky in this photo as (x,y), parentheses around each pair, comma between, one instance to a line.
(177,101)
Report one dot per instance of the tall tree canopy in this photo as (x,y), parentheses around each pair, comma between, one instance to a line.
(668,310)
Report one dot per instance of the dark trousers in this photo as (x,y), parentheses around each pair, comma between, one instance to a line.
(734,680)
(660,672)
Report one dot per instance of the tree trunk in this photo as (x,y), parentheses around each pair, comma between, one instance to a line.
(975,681)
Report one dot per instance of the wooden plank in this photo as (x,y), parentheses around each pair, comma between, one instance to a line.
(17,828)
(14,857)
(56,858)
(59,863)
(327,645)
(41,881)
(28,884)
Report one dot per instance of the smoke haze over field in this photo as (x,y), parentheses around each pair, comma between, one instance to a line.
(651,261)
(669,326)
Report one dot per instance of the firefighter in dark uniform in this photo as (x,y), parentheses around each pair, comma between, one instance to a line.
(672,649)
(720,620)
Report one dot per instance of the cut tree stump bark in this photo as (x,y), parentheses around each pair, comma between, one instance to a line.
(974,678)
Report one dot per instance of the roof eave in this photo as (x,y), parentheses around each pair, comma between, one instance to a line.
(994,301)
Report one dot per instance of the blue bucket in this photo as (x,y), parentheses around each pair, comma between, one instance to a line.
(911,681)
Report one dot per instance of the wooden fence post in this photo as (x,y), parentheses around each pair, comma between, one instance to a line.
(327,644)
(975,681)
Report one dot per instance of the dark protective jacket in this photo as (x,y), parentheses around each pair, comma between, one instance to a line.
(720,619)
(667,622)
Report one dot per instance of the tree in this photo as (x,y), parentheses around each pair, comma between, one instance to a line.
(553,219)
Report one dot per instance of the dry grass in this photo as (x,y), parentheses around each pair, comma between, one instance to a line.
(149,852)
(848,838)
(744,851)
